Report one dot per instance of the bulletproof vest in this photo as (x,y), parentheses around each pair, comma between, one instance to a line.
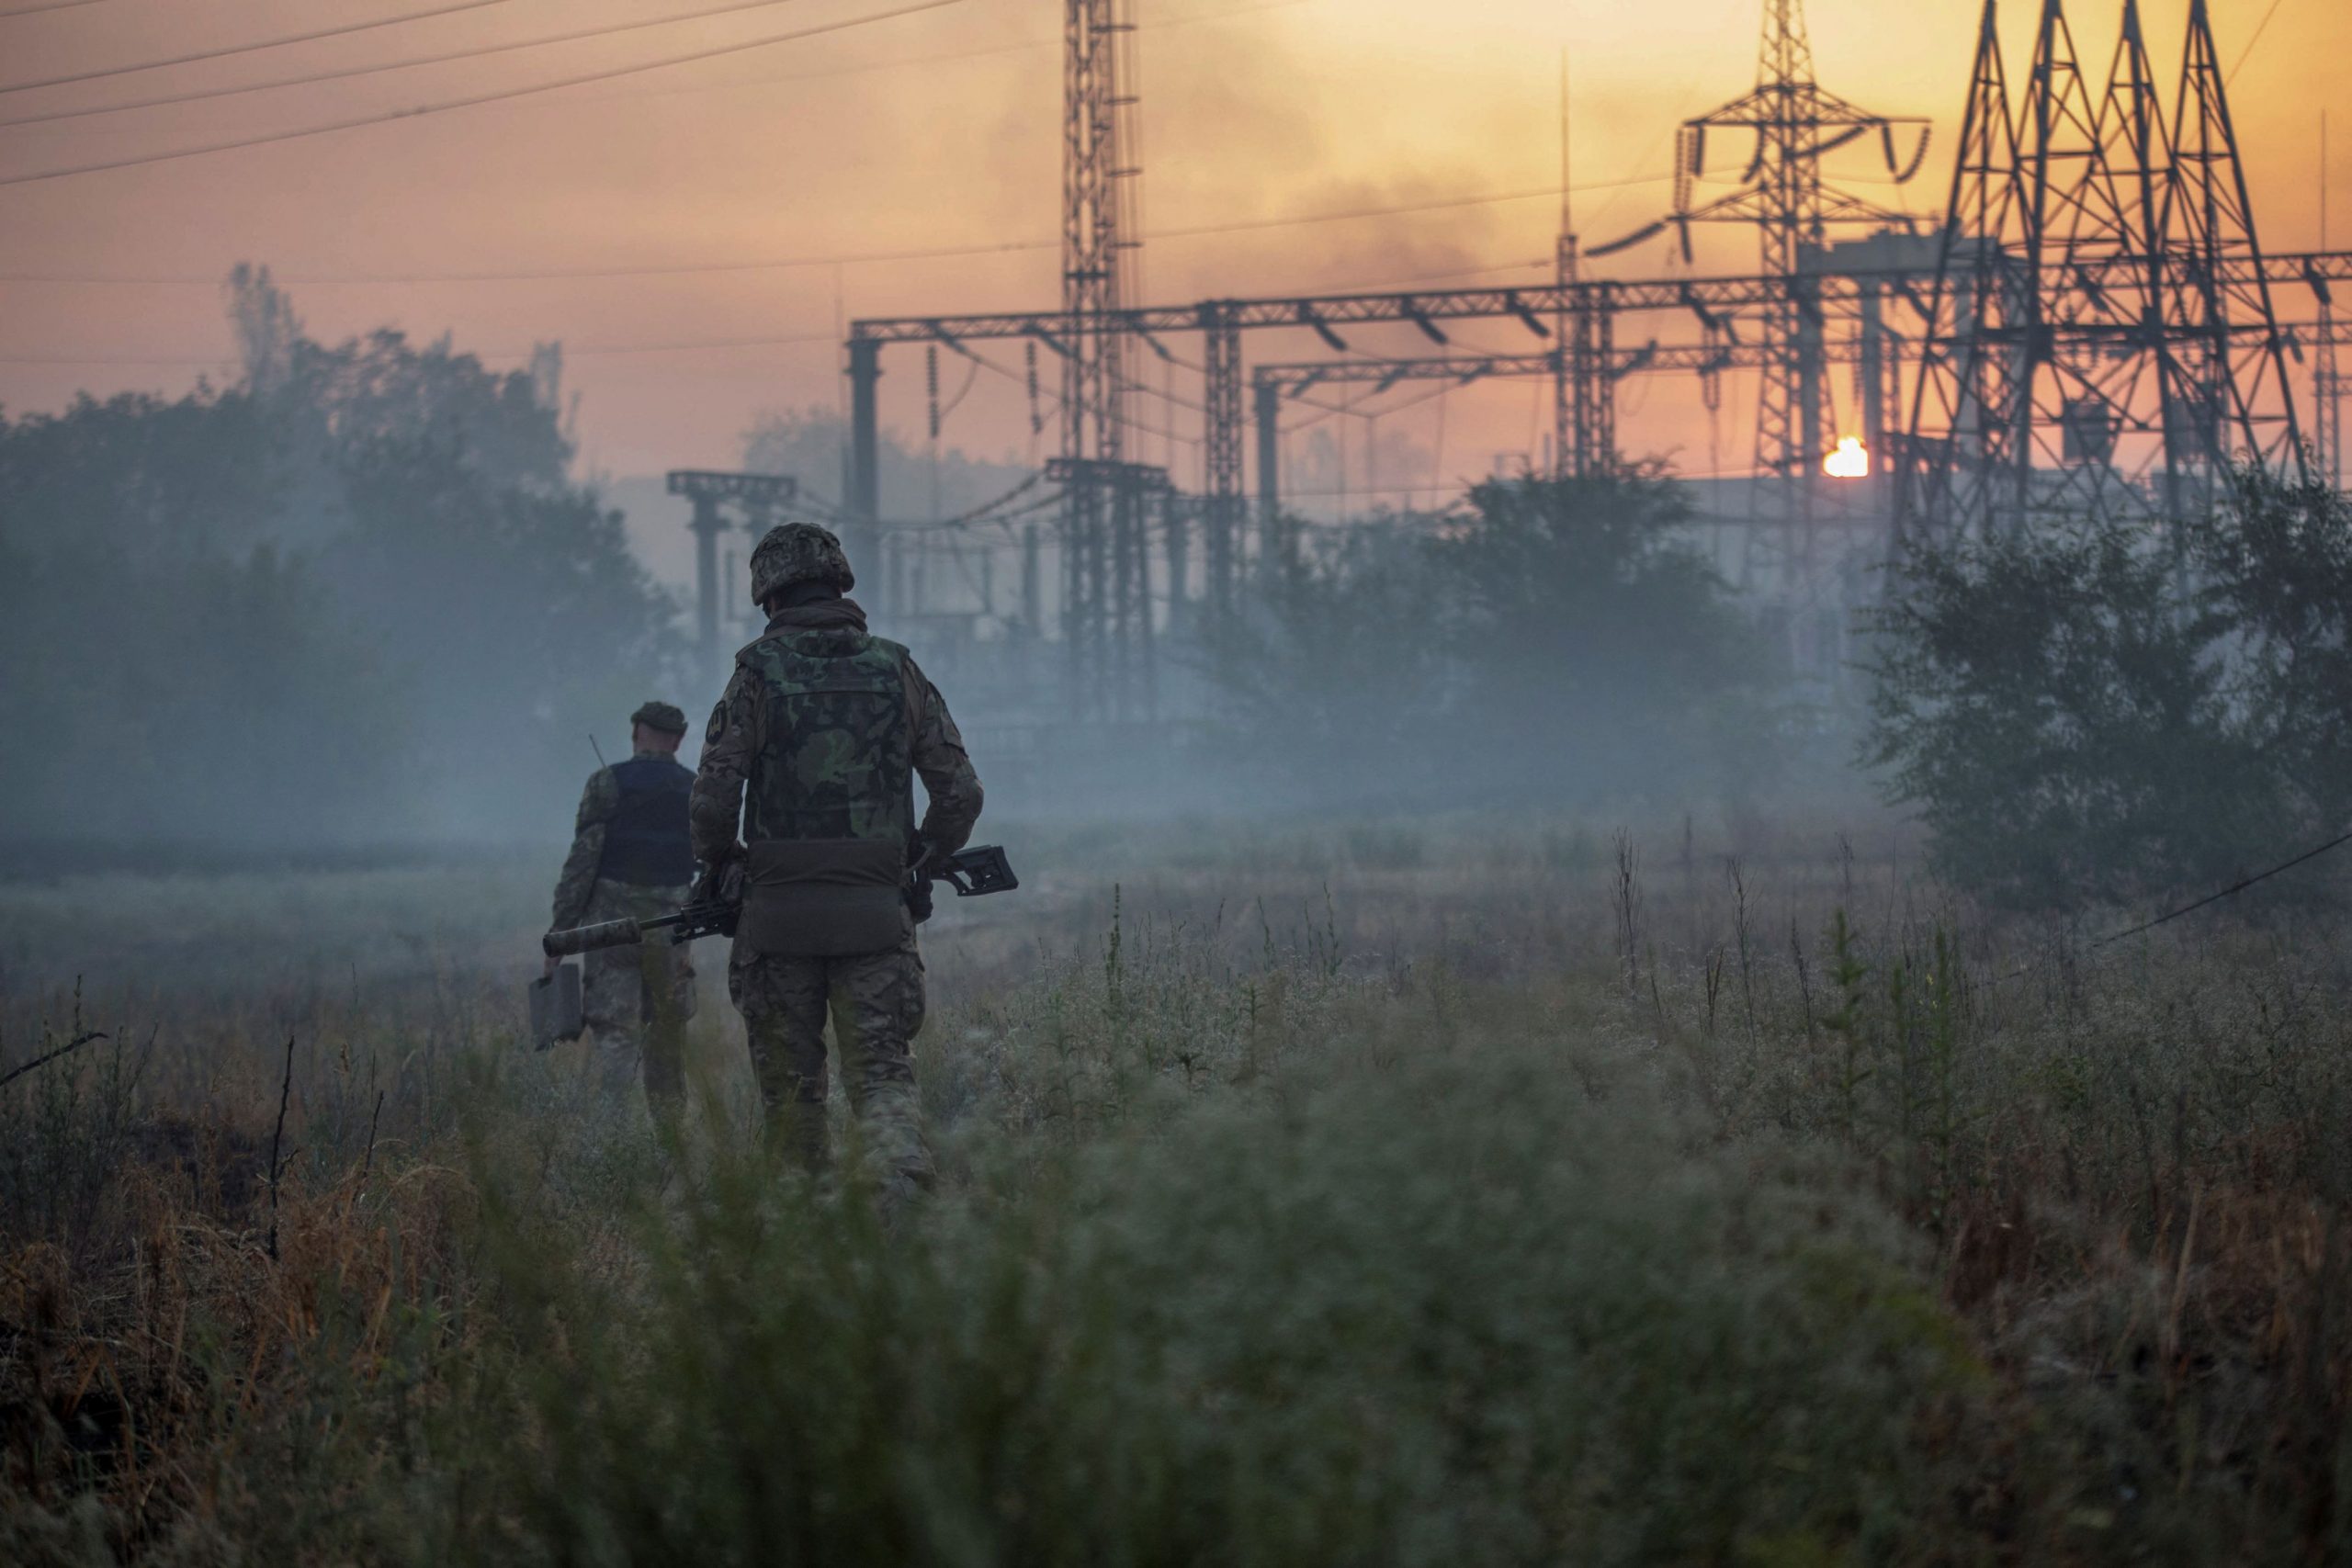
(829,811)
(645,841)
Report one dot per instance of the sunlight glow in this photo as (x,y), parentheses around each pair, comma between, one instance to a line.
(1850,461)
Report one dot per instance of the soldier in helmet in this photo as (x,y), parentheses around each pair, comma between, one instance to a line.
(631,858)
(814,751)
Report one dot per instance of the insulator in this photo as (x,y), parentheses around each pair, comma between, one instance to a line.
(1918,156)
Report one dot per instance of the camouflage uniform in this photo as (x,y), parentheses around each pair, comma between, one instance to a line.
(635,998)
(836,773)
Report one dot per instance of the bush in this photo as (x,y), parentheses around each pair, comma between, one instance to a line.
(2083,713)
(2277,572)
(1458,1313)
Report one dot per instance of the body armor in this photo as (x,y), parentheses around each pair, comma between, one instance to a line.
(830,811)
(645,841)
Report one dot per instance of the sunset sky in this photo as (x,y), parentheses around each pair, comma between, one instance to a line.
(933,130)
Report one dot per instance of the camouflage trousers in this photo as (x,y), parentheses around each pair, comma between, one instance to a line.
(875,1002)
(638,998)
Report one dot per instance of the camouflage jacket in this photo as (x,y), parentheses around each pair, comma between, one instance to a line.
(598,801)
(733,739)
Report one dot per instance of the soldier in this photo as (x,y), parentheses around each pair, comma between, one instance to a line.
(631,858)
(814,749)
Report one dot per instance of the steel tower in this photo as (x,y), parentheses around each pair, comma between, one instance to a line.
(1793,123)
(2102,339)
(1097,240)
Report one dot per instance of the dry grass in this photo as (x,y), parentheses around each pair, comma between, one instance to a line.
(2115,1186)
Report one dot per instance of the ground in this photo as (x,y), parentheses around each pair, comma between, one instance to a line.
(1460,1190)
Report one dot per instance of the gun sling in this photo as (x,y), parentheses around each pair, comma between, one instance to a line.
(823,898)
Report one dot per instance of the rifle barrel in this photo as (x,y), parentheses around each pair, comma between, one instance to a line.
(588,939)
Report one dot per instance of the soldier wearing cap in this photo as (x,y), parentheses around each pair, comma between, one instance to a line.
(631,858)
(813,752)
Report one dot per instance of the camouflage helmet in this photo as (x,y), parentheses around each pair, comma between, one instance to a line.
(660,717)
(798,552)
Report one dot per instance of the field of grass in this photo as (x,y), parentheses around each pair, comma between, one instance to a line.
(1435,1192)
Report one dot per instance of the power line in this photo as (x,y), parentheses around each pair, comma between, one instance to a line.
(827,73)
(228,355)
(53,6)
(2253,39)
(2233,888)
(1548,193)
(222,53)
(789,263)
(224,357)
(605,75)
(1017,47)
(444,58)
(1690,90)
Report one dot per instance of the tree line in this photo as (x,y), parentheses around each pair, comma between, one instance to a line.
(355,598)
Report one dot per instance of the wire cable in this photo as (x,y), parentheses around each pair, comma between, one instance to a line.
(444,58)
(2233,889)
(2251,39)
(652,348)
(53,6)
(779,264)
(607,74)
(658,269)
(228,356)
(1547,193)
(226,50)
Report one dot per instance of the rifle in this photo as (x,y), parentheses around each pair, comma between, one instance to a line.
(972,873)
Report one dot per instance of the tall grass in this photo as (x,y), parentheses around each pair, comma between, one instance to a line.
(1771,1211)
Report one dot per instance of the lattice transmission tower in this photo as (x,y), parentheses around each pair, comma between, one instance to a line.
(1101,558)
(1794,124)
(2103,340)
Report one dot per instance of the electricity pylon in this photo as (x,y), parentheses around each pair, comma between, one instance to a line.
(2103,343)
(1795,124)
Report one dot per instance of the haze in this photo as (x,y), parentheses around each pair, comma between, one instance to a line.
(931,132)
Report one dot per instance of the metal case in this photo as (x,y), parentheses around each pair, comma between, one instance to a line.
(555,1012)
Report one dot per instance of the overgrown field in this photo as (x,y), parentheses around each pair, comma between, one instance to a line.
(1429,1193)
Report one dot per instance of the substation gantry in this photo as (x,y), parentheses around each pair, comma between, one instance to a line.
(1710,303)
(2093,325)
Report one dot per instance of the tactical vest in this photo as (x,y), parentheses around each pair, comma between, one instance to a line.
(646,839)
(829,813)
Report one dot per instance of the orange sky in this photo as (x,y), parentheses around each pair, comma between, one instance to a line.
(869,141)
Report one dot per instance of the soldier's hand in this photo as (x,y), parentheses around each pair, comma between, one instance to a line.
(554,963)
(721,880)
(919,858)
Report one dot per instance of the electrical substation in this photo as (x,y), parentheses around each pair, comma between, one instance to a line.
(2084,322)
